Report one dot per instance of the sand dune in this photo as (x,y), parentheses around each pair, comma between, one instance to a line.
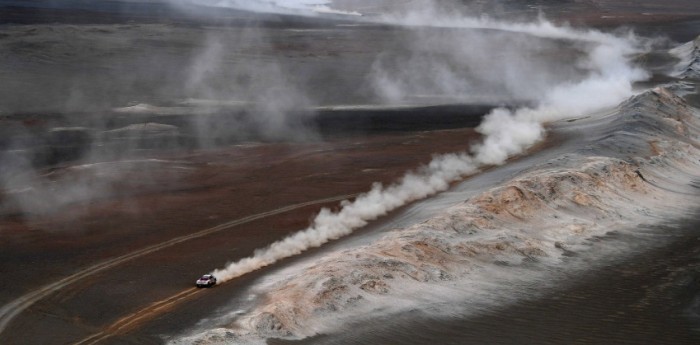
(620,180)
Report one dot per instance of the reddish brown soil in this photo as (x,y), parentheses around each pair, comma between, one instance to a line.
(220,185)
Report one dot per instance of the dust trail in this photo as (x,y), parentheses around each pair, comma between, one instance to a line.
(377,202)
(506,133)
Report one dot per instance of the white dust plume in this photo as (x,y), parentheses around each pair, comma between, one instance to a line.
(506,133)
(377,202)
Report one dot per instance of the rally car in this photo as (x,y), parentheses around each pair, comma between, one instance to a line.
(206,280)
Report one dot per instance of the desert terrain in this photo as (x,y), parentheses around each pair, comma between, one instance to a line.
(143,146)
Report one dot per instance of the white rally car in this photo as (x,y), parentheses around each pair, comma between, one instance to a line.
(206,280)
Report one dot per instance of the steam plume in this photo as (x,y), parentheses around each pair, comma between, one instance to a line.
(506,133)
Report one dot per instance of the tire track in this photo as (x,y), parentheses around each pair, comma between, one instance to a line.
(10,310)
(130,321)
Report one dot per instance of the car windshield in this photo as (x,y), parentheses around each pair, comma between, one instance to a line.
(205,277)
